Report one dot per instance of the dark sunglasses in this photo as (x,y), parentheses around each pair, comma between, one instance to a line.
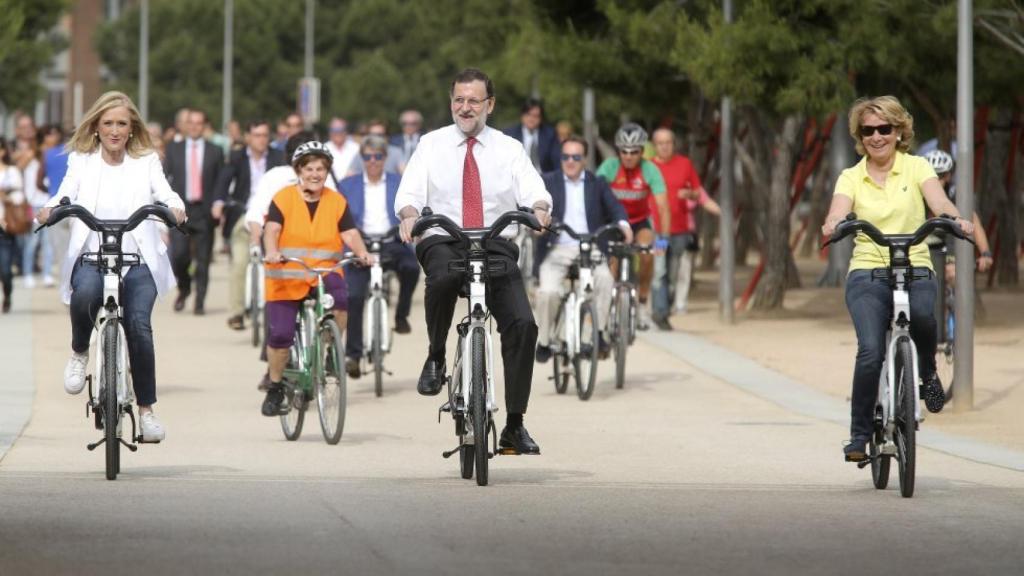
(883,129)
(573,157)
(630,151)
(375,156)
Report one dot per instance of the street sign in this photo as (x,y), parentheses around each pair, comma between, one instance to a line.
(309,99)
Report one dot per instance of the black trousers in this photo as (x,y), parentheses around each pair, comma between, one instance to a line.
(400,259)
(506,299)
(197,247)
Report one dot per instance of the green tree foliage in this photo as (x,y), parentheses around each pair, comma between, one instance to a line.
(27,44)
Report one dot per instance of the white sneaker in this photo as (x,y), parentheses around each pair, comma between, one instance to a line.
(48,281)
(30,281)
(680,308)
(151,428)
(74,373)
(644,318)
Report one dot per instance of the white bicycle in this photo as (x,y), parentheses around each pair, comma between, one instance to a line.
(255,301)
(898,411)
(114,397)
(471,384)
(376,326)
(576,340)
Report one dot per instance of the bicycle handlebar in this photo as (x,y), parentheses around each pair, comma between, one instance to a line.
(68,210)
(851,225)
(429,220)
(611,229)
(347,258)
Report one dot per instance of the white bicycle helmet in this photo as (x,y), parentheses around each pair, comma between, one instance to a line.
(312,148)
(630,135)
(941,161)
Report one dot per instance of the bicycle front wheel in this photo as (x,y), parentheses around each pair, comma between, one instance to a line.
(623,320)
(331,394)
(478,406)
(906,421)
(111,407)
(377,347)
(585,362)
(879,462)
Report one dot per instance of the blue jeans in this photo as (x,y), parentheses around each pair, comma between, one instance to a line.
(870,305)
(8,250)
(138,294)
(31,241)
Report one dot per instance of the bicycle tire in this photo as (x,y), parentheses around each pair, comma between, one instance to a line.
(377,348)
(466,457)
(880,463)
(585,363)
(906,422)
(478,406)
(945,354)
(559,359)
(291,423)
(111,408)
(254,304)
(622,310)
(331,392)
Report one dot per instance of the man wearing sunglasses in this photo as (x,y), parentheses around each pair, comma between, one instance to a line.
(371,197)
(584,202)
(472,174)
(634,180)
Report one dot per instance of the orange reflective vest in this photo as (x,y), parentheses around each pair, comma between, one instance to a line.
(317,242)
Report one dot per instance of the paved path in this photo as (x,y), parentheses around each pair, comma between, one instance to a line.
(680,472)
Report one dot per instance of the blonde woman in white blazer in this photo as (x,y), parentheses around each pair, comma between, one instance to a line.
(112,171)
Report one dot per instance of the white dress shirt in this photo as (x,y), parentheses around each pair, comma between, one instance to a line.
(341,163)
(575,215)
(257,168)
(375,206)
(433,176)
(271,183)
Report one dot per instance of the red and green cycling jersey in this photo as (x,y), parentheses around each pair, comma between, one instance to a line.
(633,187)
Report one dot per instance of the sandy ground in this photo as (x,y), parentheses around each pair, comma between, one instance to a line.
(812,340)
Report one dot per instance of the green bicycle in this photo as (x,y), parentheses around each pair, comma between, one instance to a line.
(316,365)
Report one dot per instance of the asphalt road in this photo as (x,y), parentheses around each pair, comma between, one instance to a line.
(679,473)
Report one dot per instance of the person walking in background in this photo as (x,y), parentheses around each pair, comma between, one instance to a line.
(11,196)
(192,166)
(685,195)
(343,148)
(235,187)
(411,122)
(538,138)
(55,166)
(31,169)
(394,162)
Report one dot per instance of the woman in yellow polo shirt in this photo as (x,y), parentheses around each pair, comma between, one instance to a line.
(888,188)
(312,222)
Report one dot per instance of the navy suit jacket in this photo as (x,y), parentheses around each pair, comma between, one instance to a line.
(601,205)
(548,148)
(354,190)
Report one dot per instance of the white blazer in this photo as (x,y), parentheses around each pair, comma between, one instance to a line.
(145,176)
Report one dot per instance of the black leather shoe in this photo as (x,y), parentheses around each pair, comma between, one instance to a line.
(933,395)
(431,378)
(199,310)
(543,353)
(517,441)
(179,302)
(274,404)
(603,348)
(352,367)
(402,326)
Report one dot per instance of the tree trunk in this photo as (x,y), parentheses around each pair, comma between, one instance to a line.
(1001,196)
(820,199)
(771,290)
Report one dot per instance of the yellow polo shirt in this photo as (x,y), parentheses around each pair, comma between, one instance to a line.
(898,208)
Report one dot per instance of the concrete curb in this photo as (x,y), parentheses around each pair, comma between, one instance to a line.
(770,385)
(17,385)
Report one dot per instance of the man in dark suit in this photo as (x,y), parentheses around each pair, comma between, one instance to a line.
(192,167)
(585,202)
(236,185)
(539,139)
(371,198)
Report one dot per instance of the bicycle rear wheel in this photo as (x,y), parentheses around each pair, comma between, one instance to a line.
(377,347)
(331,393)
(478,406)
(622,335)
(906,421)
(291,423)
(945,355)
(255,314)
(585,362)
(111,407)
(560,360)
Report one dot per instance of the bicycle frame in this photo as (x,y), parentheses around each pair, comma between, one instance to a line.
(255,260)
(377,291)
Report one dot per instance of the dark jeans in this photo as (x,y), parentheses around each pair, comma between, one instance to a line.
(8,253)
(198,246)
(870,305)
(138,294)
(506,299)
(396,257)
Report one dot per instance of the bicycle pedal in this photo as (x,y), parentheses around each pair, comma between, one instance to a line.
(509,451)
(859,460)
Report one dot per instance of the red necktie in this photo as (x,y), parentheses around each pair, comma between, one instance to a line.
(195,174)
(472,197)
